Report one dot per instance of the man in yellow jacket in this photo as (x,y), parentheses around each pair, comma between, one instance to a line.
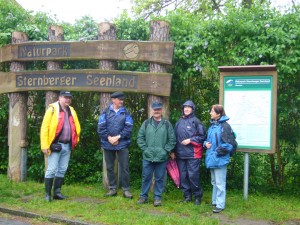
(60,132)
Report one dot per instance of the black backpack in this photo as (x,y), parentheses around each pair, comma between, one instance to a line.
(228,136)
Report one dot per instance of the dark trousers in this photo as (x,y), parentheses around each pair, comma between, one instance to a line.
(123,160)
(159,171)
(189,170)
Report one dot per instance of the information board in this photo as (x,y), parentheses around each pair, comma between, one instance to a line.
(249,96)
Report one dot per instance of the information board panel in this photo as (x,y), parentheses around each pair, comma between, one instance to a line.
(249,96)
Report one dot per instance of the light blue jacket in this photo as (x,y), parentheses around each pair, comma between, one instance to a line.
(212,160)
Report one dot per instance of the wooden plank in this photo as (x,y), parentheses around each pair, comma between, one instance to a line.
(142,51)
(87,80)
(252,68)
(5,53)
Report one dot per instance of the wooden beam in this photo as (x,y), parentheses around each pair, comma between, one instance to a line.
(87,80)
(159,52)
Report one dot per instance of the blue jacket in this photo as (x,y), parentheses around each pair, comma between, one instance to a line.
(189,127)
(113,124)
(212,160)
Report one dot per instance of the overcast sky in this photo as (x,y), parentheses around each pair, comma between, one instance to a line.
(70,10)
(99,10)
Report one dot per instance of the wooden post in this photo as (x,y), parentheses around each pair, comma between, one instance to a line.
(17,131)
(107,31)
(55,33)
(160,31)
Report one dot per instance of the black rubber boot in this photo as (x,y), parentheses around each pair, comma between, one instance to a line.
(48,188)
(58,182)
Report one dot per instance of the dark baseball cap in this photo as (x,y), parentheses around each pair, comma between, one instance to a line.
(65,93)
(156,105)
(119,95)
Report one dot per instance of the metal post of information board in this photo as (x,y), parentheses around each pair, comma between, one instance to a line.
(246,175)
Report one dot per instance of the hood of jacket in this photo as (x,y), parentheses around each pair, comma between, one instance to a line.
(190,104)
(221,120)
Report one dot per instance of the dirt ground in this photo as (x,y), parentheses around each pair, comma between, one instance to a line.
(7,219)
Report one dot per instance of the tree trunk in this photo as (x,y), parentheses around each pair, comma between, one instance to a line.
(159,31)
(17,133)
(247,3)
(55,33)
(107,31)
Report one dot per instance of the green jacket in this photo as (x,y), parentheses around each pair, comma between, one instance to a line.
(156,142)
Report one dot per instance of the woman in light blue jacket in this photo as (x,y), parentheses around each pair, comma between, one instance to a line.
(217,156)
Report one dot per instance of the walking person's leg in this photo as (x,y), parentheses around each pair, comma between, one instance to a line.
(214,187)
(184,180)
(148,168)
(160,171)
(63,163)
(220,176)
(50,174)
(110,157)
(123,159)
(193,168)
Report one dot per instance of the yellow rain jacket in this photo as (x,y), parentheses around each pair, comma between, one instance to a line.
(52,124)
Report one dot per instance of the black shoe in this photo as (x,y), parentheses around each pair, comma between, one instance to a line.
(197,201)
(59,196)
(48,188)
(213,205)
(58,182)
(187,199)
(217,210)
(47,198)
(112,192)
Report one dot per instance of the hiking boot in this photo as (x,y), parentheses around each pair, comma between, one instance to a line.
(187,199)
(112,192)
(197,201)
(142,201)
(58,182)
(48,188)
(217,210)
(157,202)
(127,194)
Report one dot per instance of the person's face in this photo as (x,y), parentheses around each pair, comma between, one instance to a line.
(214,115)
(65,101)
(157,114)
(118,103)
(187,110)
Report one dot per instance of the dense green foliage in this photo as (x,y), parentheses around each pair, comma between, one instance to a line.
(255,36)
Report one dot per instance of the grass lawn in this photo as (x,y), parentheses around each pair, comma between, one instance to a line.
(87,203)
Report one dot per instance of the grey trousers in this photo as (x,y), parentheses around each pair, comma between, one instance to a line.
(123,160)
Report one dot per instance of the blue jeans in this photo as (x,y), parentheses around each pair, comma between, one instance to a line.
(159,169)
(123,160)
(58,162)
(218,181)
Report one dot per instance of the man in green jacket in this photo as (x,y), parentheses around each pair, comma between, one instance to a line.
(156,138)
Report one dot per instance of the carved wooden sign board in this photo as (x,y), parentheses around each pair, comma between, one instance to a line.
(88,80)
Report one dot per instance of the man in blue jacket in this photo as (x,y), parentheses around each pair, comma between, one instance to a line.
(115,129)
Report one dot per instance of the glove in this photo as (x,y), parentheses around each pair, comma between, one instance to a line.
(221,151)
